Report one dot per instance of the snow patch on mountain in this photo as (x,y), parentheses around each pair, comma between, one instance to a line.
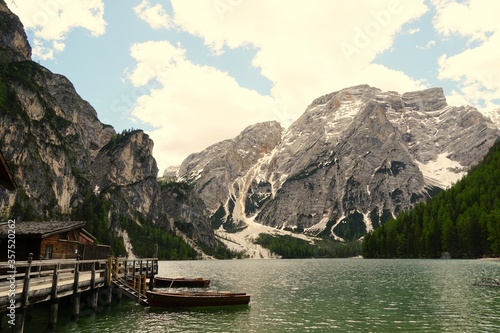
(441,172)
(494,115)
(244,240)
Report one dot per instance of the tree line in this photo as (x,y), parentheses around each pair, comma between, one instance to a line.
(289,247)
(463,220)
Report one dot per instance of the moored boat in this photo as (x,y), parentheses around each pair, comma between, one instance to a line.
(180,282)
(188,299)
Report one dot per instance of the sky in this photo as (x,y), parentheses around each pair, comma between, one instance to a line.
(191,73)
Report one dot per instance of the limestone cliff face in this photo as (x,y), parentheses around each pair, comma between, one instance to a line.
(50,136)
(125,167)
(14,45)
(184,211)
(221,171)
(355,158)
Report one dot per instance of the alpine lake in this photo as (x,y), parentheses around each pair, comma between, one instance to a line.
(313,295)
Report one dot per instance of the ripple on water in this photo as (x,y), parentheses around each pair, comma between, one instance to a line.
(338,295)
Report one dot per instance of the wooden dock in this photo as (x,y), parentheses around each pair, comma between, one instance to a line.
(35,281)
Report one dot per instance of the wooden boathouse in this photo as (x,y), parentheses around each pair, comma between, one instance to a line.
(52,240)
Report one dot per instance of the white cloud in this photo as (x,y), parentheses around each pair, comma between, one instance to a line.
(473,18)
(155,16)
(413,31)
(476,68)
(304,49)
(194,106)
(51,21)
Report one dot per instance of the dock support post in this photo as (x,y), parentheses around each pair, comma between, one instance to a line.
(119,294)
(54,309)
(117,263)
(94,295)
(139,285)
(151,282)
(75,302)
(108,291)
(54,301)
(21,314)
(108,295)
(75,307)
(94,291)
(28,314)
(109,270)
(125,269)
(19,327)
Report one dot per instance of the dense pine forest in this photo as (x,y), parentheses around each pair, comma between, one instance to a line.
(463,220)
(288,247)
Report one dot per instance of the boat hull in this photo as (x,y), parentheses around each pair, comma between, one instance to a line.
(174,300)
(181,282)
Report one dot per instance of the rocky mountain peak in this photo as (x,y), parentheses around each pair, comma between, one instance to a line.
(14,44)
(426,100)
(126,159)
(355,158)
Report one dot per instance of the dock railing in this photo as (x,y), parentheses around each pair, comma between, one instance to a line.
(40,280)
(34,281)
(130,276)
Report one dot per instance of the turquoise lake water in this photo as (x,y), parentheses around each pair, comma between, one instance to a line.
(315,295)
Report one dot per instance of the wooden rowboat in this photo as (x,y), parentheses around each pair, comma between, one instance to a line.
(180,282)
(181,300)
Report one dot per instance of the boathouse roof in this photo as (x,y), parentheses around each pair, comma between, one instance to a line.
(42,229)
(6,177)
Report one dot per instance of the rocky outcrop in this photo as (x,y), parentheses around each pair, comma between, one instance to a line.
(14,44)
(126,170)
(50,136)
(355,158)
(427,100)
(221,171)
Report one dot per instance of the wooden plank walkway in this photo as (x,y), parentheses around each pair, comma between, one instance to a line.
(49,279)
(130,292)
(44,287)
(36,281)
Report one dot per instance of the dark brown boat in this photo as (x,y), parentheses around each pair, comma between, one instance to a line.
(188,299)
(180,282)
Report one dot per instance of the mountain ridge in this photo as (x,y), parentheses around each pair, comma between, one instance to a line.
(354,159)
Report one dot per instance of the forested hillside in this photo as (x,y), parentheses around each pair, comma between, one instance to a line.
(463,220)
